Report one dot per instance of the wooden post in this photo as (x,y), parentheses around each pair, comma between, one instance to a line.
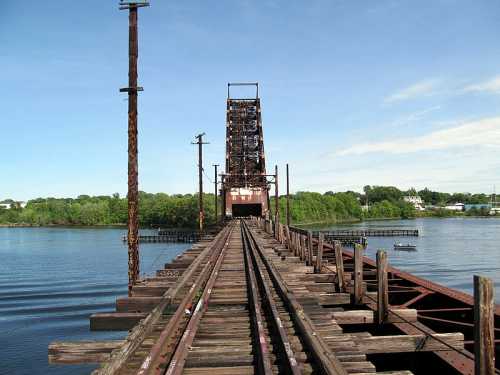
(215,194)
(287,236)
(295,245)
(358,274)
(382,287)
(339,263)
(319,256)
(288,213)
(201,213)
(133,166)
(276,193)
(309,249)
(484,338)
(302,247)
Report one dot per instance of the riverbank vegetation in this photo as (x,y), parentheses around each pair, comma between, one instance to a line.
(181,210)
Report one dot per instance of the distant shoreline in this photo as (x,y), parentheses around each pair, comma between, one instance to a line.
(300,224)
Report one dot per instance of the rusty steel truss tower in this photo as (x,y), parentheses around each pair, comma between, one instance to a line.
(245,188)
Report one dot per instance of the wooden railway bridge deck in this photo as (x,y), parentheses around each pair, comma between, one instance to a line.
(248,301)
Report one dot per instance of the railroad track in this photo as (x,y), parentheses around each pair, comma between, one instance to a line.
(235,317)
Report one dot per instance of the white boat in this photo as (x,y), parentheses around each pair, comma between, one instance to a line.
(405,247)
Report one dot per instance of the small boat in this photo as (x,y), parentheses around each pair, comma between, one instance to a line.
(405,247)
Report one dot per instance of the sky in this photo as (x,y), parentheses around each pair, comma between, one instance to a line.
(353,93)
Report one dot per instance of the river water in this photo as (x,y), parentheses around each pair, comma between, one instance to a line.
(52,279)
(449,250)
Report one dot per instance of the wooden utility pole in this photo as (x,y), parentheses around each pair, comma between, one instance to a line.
(133,182)
(200,144)
(216,187)
(287,197)
(484,335)
(276,194)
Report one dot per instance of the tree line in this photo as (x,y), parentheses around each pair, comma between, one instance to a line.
(181,210)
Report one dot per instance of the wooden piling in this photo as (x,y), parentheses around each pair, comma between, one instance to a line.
(382,287)
(287,237)
(339,262)
(358,274)
(319,256)
(309,260)
(302,247)
(484,344)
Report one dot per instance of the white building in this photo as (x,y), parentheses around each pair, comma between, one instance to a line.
(455,207)
(8,206)
(495,211)
(416,201)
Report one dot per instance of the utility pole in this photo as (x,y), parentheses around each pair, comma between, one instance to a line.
(216,186)
(276,195)
(133,183)
(287,197)
(200,144)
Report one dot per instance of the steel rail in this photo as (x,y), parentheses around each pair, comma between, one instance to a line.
(178,359)
(139,332)
(157,356)
(324,358)
(264,363)
(285,346)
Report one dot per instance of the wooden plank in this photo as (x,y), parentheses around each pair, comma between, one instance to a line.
(117,321)
(358,275)
(409,343)
(81,351)
(382,287)
(484,335)
(368,316)
(137,304)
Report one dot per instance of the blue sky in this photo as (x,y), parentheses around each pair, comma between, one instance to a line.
(398,93)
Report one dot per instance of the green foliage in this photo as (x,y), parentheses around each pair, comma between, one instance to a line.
(181,210)
(474,211)
(159,209)
(376,194)
(436,198)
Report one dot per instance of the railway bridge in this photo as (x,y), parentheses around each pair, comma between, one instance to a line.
(264,297)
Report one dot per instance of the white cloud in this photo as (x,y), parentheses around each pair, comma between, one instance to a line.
(419,89)
(492,86)
(484,132)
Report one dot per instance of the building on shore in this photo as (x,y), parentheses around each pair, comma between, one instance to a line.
(416,201)
(478,206)
(455,207)
(7,205)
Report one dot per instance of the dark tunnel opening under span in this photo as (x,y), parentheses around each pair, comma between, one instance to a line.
(245,210)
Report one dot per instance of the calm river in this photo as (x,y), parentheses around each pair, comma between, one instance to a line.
(449,251)
(52,279)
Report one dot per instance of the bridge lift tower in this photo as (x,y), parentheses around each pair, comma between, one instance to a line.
(245,187)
